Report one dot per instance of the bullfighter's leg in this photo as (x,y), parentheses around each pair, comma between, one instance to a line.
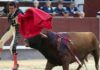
(12,43)
(15,66)
(0,48)
(49,66)
(4,39)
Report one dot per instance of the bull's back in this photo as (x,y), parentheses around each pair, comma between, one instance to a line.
(83,42)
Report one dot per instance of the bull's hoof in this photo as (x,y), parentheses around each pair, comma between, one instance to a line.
(16,67)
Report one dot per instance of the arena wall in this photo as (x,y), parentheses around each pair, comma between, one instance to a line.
(61,24)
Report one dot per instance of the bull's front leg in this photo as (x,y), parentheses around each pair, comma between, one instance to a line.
(65,62)
(49,66)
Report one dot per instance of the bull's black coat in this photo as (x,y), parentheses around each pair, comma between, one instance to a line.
(84,43)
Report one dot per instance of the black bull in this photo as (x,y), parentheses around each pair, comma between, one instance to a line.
(84,43)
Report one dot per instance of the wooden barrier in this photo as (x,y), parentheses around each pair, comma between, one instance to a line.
(91,7)
(61,24)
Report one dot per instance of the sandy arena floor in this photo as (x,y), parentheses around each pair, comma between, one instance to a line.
(38,64)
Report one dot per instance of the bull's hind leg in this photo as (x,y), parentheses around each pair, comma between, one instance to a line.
(96,58)
(83,62)
(95,52)
(80,66)
(49,66)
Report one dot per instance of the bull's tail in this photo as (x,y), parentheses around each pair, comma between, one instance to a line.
(95,52)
